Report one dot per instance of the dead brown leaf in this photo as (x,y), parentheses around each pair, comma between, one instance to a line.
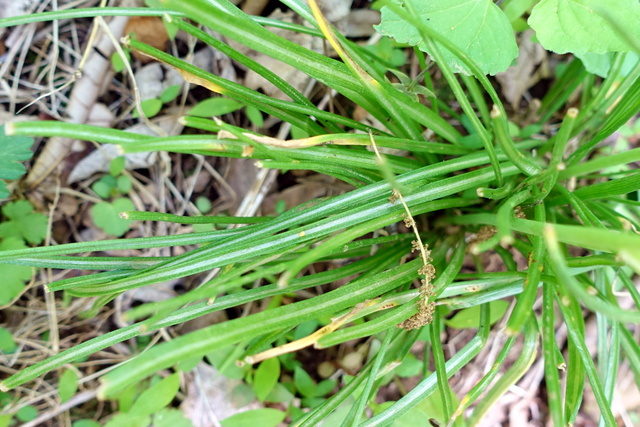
(308,189)
(210,397)
(149,30)
(525,72)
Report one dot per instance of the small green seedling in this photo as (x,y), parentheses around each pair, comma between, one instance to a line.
(214,107)
(106,215)
(150,407)
(20,226)
(68,384)
(7,343)
(152,106)
(118,63)
(15,149)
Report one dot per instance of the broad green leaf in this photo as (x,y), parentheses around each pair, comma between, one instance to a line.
(15,149)
(106,216)
(266,417)
(7,344)
(128,420)
(305,329)
(117,61)
(5,420)
(266,377)
(470,317)
(218,358)
(105,186)
(188,365)
(429,408)
(6,398)
(151,107)
(297,133)
(170,93)
(254,115)
(124,184)
(68,384)
(311,402)
(117,165)
(596,63)
(242,395)
(514,9)
(86,423)
(582,26)
(478,27)
(126,398)
(279,394)
(304,383)
(27,413)
(170,418)
(23,222)
(215,107)
(157,396)
(385,51)
(13,276)
(325,387)
(410,366)
(172,29)
(204,205)
(600,63)
(340,413)
(296,413)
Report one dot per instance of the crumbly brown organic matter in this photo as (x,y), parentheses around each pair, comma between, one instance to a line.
(426,306)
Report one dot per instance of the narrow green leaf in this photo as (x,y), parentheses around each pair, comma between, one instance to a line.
(512,375)
(429,385)
(551,359)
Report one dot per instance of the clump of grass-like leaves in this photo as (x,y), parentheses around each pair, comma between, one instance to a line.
(530,195)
